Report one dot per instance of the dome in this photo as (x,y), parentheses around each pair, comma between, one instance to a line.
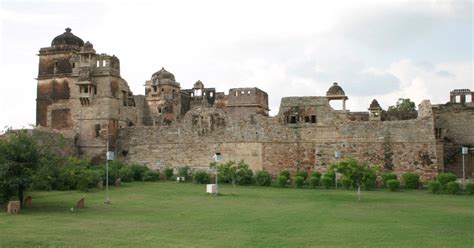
(374,105)
(67,38)
(163,74)
(335,90)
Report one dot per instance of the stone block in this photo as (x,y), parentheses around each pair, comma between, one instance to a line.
(81,203)
(27,202)
(13,207)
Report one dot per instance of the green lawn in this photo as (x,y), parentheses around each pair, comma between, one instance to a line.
(169,214)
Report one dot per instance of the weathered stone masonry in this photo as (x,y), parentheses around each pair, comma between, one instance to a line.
(82,95)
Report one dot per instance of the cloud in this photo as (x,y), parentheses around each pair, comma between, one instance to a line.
(384,50)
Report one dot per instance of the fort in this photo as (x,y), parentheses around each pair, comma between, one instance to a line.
(81,94)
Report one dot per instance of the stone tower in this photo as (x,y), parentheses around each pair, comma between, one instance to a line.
(54,76)
(375,111)
(163,95)
(82,94)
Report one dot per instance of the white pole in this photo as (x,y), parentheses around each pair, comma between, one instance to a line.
(217,187)
(107,201)
(463,169)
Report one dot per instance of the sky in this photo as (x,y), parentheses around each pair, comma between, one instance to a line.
(381,50)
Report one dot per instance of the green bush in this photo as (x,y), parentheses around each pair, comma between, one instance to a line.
(225,171)
(169,173)
(411,180)
(263,178)
(138,171)
(184,171)
(327,182)
(151,176)
(393,184)
(303,174)
(331,174)
(370,178)
(88,178)
(201,177)
(388,176)
(126,174)
(434,187)
(316,174)
(314,181)
(285,173)
(299,181)
(347,183)
(453,188)
(244,174)
(470,188)
(282,180)
(445,178)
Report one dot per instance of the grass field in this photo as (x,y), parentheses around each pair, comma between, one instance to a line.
(169,214)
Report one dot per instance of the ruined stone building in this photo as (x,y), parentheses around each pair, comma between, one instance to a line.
(82,95)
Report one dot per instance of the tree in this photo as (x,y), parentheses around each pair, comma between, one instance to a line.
(18,160)
(356,172)
(403,104)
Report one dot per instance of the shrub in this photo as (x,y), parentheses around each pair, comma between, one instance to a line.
(331,174)
(299,181)
(282,180)
(327,182)
(169,173)
(87,179)
(139,171)
(303,174)
(285,173)
(244,174)
(126,174)
(316,174)
(445,178)
(347,183)
(393,184)
(434,187)
(388,176)
(470,188)
(411,180)
(370,177)
(201,177)
(225,172)
(151,176)
(453,188)
(314,181)
(184,171)
(263,178)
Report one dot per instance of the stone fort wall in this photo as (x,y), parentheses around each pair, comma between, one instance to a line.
(271,144)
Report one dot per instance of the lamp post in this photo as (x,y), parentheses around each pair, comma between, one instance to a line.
(337,155)
(464,152)
(217,158)
(109,156)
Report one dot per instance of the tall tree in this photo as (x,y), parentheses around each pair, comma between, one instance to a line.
(403,104)
(18,160)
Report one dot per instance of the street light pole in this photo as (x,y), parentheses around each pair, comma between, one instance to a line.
(107,201)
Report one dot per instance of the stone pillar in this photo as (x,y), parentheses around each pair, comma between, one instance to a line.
(452,98)
(463,99)
(344,104)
